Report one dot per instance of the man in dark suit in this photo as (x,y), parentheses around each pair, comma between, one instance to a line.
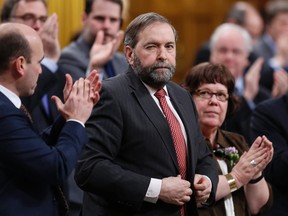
(270,118)
(131,165)
(33,167)
(96,47)
(52,80)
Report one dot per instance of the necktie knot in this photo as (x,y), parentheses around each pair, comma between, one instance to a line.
(160,93)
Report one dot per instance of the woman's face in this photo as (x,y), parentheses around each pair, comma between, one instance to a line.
(212,111)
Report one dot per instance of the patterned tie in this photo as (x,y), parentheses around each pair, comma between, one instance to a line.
(26,112)
(177,135)
(63,206)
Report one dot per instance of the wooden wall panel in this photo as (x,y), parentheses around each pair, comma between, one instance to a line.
(194,20)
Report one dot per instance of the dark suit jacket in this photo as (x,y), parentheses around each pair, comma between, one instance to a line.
(240,121)
(270,118)
(130,142)
(76,56)
(51,84)
(30,165)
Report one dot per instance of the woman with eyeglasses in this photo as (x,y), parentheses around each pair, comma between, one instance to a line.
(241,190)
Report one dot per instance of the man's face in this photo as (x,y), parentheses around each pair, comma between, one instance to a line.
(230,51)
(154,57)
(105,16)
(278,26)
(31,13)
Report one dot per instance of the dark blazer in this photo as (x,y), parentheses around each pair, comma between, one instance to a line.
(270,118)
(76,56)
(51,84)
(30,165)
(130,142)
(240,121)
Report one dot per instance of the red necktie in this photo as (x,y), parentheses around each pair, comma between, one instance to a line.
(176,132)
(177,135)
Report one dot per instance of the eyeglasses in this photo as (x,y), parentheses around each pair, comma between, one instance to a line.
(205,94)
(30,19)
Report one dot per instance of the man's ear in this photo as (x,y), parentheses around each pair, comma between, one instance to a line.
(84,17)
(129,54)
(20,65)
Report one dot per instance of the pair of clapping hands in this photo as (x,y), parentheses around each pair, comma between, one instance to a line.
(252,163)
(79,98)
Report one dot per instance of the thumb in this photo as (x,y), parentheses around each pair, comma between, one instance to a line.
(57,102)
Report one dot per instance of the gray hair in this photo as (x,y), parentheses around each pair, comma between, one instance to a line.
(231,27)
(141,22)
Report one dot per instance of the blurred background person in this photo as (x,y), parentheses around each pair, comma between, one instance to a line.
(243,14)
(270,118)
(96,46)
(241,190)
(273,45)
(230,46)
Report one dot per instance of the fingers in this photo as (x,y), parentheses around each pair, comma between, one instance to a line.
(68,86)
(99,39)
(95,86)
(57,102)
(118,40)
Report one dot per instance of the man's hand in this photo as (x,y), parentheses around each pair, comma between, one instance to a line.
(280,85)
(203,188)
(101,53)
(79,98)
(175,190)
(252,78)
(49,36)
(94,82)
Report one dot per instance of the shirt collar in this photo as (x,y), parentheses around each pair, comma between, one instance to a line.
(11,96)
(152,91)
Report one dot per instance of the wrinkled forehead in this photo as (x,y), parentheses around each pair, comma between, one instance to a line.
(35,7)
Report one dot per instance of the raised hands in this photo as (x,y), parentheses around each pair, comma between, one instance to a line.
(253,162)
(79,98)
(252,78)
(280,85)
(102,52)
(49,36)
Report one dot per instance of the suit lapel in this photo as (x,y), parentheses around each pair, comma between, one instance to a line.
(153,113)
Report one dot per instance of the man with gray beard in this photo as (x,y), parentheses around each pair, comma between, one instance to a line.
(146,154)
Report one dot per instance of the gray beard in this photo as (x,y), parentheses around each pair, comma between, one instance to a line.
(150,75)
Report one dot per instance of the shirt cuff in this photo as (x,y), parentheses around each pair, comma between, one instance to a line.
(153,191)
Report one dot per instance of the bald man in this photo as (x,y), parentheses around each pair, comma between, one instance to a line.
(33,167)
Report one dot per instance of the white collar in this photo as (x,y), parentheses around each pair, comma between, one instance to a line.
(11,96)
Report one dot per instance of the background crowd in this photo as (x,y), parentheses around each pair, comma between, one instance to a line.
(238,89)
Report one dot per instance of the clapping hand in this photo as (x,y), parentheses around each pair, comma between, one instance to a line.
(49,36)
(253,162)
(101,51)
(79,98)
